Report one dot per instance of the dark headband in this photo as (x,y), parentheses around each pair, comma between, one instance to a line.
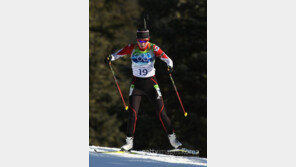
(143,34)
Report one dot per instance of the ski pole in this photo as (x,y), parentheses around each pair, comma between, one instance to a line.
(185,113)
(125,106)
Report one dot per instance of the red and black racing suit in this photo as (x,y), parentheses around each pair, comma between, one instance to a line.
(144,83)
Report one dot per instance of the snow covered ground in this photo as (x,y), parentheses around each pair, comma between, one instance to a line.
(143,160)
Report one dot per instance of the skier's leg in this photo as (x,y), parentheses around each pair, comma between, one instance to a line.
(157,100)
(134,100)
(164,119)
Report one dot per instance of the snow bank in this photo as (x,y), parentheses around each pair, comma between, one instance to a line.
(142,160)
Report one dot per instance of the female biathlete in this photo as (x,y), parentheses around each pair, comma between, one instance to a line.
(143,55)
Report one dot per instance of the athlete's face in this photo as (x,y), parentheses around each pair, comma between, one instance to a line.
(142,43)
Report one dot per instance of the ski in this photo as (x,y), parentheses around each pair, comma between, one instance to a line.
(115,152)
(175,152)
(184,151)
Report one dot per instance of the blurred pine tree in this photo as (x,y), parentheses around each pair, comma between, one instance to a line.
(111,27)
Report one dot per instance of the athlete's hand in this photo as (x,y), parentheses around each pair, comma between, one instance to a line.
(170,69)
(108,59)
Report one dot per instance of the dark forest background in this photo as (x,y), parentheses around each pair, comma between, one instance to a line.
(178,27)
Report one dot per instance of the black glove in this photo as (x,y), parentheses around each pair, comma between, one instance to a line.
(108,59)
(170,69)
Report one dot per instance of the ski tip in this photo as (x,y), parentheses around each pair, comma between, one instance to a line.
(185,114)
(126,108)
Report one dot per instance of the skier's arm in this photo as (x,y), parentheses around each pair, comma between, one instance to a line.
(127,50)
(160,54)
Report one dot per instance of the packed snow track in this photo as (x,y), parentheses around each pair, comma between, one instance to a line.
(141,159)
